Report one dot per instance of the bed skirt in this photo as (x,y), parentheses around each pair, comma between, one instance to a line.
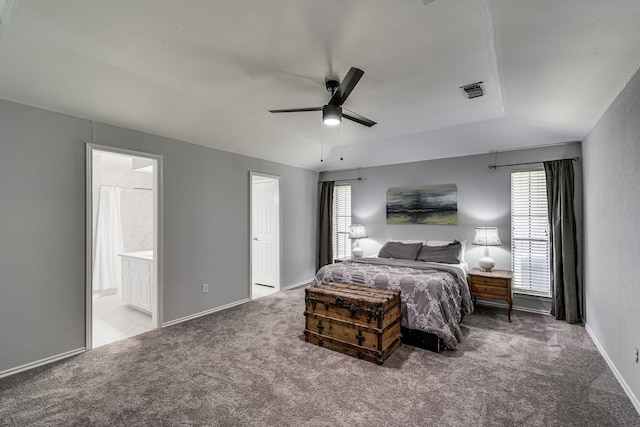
(421,339)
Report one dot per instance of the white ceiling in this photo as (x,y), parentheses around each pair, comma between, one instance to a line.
(207,71)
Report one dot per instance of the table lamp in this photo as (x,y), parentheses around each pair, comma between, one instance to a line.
(486,236)
(357,231)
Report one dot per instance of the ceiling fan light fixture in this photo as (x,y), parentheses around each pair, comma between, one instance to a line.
(332,111)
(331,114)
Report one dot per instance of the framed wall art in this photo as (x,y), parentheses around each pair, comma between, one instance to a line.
(436,204)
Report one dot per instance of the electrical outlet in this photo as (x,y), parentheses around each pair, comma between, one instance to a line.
(637,355)
(205,288)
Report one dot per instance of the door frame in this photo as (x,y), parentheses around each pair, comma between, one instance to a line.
(156,290)
(277,178)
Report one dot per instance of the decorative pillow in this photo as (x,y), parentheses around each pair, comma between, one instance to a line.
(400,250)
(449,254)
(448,242)
(422,242)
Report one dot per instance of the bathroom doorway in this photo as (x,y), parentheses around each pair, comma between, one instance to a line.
(122,263)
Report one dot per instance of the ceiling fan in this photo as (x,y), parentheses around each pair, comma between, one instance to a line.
(332,112)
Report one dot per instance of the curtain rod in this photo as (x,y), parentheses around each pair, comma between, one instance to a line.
(343,180)
(359,178)
(575,159)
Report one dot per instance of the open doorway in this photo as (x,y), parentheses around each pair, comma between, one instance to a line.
(122,291)
(265,234)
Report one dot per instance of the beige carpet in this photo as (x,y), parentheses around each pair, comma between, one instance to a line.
(250,366)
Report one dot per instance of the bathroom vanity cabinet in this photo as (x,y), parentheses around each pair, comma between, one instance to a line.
(137,279)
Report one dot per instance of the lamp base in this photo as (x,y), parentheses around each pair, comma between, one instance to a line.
(357,252)
(486,263)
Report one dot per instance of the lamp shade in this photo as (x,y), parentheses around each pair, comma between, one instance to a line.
(332,114)
(357,231)
(487,236)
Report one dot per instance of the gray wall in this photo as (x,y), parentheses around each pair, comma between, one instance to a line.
(206,227)
(484,199)
(42,219)
(612,206)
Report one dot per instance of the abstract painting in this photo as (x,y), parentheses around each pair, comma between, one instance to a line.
(437,204)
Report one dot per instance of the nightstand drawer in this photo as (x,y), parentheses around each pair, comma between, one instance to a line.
(491,281)
(494,284)
(488,290)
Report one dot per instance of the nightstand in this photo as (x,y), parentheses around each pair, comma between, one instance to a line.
(494,284)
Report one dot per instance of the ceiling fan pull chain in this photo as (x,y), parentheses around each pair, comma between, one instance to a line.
(321,142)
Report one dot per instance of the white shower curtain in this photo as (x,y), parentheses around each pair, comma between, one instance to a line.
(108,244)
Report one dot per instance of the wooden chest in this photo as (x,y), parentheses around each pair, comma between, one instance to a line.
(356,320)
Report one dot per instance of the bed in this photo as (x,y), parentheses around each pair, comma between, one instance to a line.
(434,294)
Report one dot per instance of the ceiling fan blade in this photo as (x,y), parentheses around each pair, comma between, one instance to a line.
(296,110)
(357,118)
(346,86)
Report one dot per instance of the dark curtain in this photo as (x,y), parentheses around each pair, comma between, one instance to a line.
(325,225)
(565,290)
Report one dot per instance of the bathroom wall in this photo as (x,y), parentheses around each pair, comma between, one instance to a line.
(136,200)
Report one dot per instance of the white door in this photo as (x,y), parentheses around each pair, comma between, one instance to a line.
(265,231)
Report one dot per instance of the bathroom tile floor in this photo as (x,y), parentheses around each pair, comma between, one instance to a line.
(114,320)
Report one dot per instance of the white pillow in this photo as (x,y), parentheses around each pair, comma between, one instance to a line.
(447,242)
(407,241)
(439,242)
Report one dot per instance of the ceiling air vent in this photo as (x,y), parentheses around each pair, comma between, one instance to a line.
(473,90)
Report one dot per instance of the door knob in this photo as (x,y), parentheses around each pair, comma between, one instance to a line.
(255,238)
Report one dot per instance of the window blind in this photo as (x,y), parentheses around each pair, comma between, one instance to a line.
(530,255)
(341,221)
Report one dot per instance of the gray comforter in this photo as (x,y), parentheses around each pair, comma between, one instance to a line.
(433,295)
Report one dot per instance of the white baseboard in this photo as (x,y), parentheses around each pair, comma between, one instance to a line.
(224,307)
(295,285)
(625,387)
(204,313)
(41,362)
(515,307)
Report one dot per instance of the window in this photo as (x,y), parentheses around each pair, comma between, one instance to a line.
(341,221)
(530,233)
